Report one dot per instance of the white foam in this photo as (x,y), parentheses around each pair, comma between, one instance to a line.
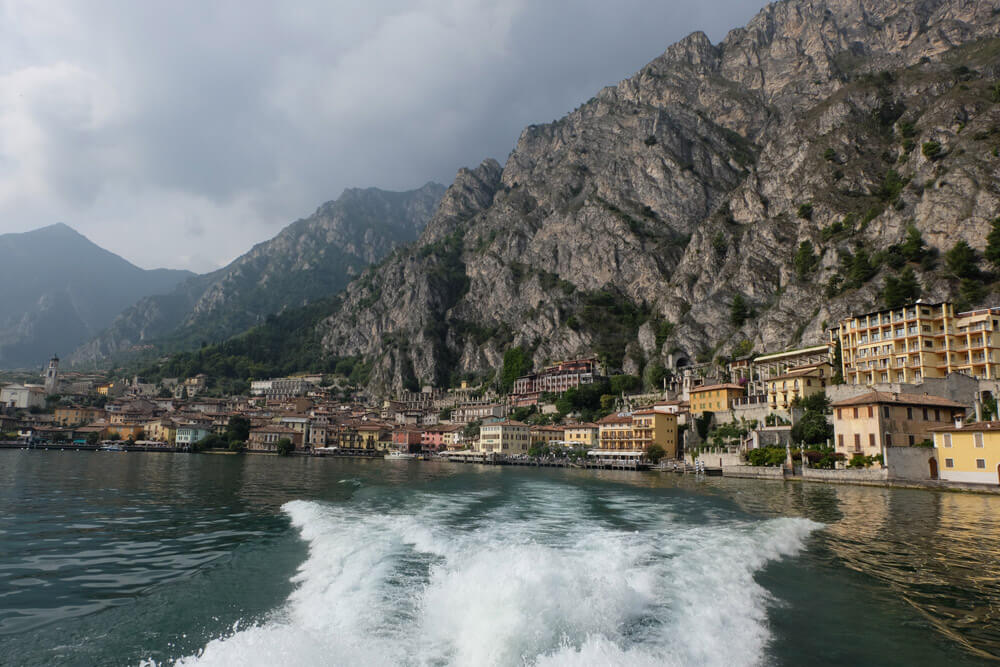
(535,581)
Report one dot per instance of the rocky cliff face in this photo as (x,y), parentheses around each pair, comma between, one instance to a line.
(311,258)
(629,227)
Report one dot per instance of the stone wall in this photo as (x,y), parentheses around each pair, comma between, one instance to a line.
(862,475)
(755,472)
(720,459)
(909,463)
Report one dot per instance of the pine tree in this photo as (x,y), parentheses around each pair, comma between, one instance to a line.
(909,286)
(962,261)
(913,247)
(739,311)
(892,293)
(993,244)
(805,260)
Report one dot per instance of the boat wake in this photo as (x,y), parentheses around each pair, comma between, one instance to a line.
(537,581)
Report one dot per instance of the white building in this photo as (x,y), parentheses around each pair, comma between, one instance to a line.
(506,437)
(22,396)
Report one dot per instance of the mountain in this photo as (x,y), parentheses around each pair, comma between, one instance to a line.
(61,289)
(309,259)
(727,198)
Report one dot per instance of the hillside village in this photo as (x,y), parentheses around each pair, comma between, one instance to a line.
(899,394)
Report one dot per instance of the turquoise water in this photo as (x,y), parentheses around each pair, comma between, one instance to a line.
(129,559)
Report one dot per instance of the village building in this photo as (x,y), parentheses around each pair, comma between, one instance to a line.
(585,435)
(869,423)
(919,341)
(800,382)
(713,397)
(266,438)
(968,453)
(504,437)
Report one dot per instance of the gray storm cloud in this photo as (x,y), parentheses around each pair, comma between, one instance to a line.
(178,134)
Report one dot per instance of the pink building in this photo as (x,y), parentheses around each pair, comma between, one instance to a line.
(407,440)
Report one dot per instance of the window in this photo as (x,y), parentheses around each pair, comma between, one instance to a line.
(855,413)
(885,411)
(857,441)
(871,440)
(840,414)
(947,440)
(978,439)
(925,414)
(888,440)
(949,463)
(937,415)
(871,411)
(909,413)
(912,440)
(840,441)
(981,464)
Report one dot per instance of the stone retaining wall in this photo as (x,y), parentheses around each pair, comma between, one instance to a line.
(755,472)
(845,476)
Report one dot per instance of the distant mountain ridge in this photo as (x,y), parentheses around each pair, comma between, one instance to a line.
(309,259)
(60,289)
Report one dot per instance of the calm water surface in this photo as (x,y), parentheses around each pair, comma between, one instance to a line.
(130,559)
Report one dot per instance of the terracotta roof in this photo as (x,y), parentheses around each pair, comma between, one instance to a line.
(981,426)
(614,419)
(879,397)
(722,385)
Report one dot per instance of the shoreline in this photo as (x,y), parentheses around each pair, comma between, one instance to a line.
(766,474)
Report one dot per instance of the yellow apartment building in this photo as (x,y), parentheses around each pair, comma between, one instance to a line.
(504,437)
(547,435)
(918,341)
(74,416)
(868,423)
(638,431)
(713,397)
(653,427)
(582,435)
(969,453)
(797,383)
(364,435)
(161,430)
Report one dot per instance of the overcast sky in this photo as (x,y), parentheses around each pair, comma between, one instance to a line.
(179,133)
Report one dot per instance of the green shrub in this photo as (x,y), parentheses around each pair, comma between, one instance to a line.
(719,244)
(829,155)
(931,150)
(805,211)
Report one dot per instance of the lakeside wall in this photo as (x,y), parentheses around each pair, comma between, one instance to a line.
(753,472)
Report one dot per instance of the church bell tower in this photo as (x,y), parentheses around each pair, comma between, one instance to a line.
(52,376)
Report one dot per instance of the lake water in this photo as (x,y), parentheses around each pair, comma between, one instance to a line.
(142,559)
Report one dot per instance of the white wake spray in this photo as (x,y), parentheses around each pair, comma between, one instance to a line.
(535,581)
